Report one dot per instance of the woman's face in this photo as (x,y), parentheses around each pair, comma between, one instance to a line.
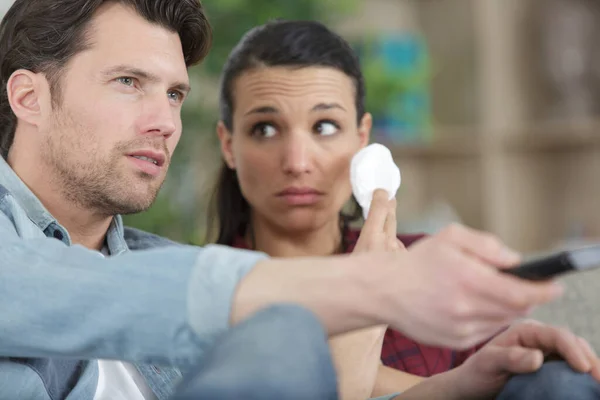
(294,133)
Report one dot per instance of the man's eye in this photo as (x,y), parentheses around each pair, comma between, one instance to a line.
(126,80)
(175,95)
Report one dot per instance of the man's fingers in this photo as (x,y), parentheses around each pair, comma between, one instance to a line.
(493,290)
(378,213)
(517,295)
(482,245)
(495,312)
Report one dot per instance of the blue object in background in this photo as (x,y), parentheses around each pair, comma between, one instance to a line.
(403,59)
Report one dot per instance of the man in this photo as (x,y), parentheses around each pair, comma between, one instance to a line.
(90,107)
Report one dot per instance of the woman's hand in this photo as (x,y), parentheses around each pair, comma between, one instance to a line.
(379,230)
(521,350)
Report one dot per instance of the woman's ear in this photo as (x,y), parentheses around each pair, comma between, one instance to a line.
(225,137)
(364,129)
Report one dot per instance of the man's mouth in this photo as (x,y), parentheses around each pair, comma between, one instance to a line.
(149,161)
(144,158)
(151,156)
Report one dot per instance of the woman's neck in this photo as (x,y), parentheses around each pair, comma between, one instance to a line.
(276,242)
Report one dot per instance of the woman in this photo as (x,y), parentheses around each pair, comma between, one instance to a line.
(292,117)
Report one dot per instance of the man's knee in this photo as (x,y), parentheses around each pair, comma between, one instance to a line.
(555,380)
(279,352)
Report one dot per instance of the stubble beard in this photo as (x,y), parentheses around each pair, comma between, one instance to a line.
(89,180)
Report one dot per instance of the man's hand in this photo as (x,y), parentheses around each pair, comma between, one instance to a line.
(447,290)
(521,349)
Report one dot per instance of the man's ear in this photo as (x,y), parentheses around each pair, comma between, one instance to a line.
(23,89)
(364,129)
(225,137)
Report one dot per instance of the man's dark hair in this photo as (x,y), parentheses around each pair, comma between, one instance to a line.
(43,35)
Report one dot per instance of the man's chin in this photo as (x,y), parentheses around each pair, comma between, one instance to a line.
(130,208)
(134,195)
(133,204)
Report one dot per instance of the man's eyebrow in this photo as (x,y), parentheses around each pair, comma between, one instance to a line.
(135,72)
(182,87)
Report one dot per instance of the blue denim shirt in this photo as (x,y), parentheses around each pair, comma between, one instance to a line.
(154,303)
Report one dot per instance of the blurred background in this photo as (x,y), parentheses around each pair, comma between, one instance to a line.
(489,106)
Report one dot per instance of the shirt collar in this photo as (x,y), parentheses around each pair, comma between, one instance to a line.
(39,215)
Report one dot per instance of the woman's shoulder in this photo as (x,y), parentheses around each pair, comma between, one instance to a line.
(407,239)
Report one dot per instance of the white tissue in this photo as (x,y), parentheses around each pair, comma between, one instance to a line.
(373,168)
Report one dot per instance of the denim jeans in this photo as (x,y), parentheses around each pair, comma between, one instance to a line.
(279,353)
(554,381)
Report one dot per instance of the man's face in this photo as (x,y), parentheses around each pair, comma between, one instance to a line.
(109,141)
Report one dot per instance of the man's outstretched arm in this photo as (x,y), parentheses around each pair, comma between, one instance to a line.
(168,305)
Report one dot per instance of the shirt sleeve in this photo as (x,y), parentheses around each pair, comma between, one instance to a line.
(165,305)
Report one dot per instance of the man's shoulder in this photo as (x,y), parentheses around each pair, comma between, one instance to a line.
(137,239)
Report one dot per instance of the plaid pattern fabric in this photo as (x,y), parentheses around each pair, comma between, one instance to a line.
(398,351)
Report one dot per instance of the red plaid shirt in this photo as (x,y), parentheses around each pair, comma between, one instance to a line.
(399,351)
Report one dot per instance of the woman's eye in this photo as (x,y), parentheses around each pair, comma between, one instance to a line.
(327,128)
(264,130)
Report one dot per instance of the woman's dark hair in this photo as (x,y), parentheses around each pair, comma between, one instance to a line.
(43,35)
(294,44)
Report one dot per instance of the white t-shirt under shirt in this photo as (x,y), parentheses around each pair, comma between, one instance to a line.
(118,380)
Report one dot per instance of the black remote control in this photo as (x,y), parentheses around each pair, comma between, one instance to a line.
(548,267)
